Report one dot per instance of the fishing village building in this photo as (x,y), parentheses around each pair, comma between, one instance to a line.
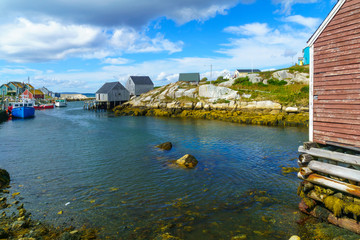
(137,85)
(330,161)
(189,77)
(110,95)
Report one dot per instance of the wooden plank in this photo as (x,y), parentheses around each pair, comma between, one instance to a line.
(323,77)
(341,141)
(337,92)
(331,62)
(338,96)
(337,115)
(344,130)
(338,136)
(354,81)
(343,101)
(334,170)
(345,112)
(335,51)
(322,86)
(341,126)
(331,183)
(337,36)
(336,106)
(331,46)
(331,155)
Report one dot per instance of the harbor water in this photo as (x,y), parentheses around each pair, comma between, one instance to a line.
(103,171)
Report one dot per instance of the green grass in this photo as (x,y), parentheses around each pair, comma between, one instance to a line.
(293,94)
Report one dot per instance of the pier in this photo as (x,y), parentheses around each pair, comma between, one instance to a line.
(100,105)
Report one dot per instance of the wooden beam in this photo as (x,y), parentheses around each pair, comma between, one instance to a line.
(331,183)
(335,156)
(334,170)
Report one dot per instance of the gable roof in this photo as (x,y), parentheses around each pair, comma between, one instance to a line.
(247,70)
(5,85)
(107,87)
(141,80)
(324,24)
(189,77)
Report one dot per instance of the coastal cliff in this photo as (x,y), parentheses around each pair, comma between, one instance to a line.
(268,98)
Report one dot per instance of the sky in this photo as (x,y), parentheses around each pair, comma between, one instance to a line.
(78,45)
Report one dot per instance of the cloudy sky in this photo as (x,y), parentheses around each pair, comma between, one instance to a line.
(69,45)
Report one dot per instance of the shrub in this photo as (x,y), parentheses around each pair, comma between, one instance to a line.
(261,84)
(204,79)
(220,79)
(276,82)
(305,89)
(241,80)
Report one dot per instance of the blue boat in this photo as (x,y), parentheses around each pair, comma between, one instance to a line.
(23,109)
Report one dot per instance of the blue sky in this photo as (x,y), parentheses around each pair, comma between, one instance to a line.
(68,45)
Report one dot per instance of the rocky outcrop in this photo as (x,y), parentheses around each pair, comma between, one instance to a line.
(188,161)
(165,146)
(4,178)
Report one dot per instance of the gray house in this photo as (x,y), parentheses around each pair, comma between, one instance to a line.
(111,94)
(137,85)
(189,77)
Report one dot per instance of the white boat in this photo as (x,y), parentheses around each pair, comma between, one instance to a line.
(60,103)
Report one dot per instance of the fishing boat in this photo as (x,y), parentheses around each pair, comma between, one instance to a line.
(22,109)
(44,106)
(60,103)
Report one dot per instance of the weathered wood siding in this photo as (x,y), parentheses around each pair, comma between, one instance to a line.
(337,79)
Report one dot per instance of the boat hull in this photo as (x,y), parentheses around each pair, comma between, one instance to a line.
(44,106)
(23,112)
(60,104)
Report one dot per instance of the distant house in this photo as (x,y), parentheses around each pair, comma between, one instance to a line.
(189,77)
(45,91)
(242,72)
(16,87)
(136,85)
(39,94)
(112,94)
(5,89)
(27,94)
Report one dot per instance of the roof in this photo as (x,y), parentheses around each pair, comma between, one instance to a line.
(327,20)
(141,80)
(107,87)
(5,85)
(247,70)
(29,85)
(189,77)
(38,92)
(17,84)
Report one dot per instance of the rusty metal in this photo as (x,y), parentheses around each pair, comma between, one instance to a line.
(331,183)
(305,171)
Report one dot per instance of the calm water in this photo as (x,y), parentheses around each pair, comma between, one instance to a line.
(103,171)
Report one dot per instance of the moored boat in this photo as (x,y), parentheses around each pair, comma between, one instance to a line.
(22,109)
(44,106)
(60,103)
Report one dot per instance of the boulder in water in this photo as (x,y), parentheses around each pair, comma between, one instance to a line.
(165,146)
(4,178)
(187,161)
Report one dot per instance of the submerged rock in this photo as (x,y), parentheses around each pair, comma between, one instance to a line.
(188,161)
(4,178)
(165,146)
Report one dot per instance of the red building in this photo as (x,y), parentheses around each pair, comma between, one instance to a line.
(335,77)
(27,94)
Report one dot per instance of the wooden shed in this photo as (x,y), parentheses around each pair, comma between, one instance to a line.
(111,94)
(138,85)
(335,77)
(189,77)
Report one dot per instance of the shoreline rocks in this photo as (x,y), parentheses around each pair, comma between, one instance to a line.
(188,161)
(4,178)
(165,146)
(258,117)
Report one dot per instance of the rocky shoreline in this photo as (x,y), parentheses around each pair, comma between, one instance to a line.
(281,100)
(16,221)
(265,117)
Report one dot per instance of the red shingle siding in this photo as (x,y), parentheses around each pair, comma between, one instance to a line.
(337,79)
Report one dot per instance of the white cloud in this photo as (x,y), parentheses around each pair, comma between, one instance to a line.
(286,5)
(112,13)
(250,29)
(116,61)
(131,41)
(26,41)
(309,22)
